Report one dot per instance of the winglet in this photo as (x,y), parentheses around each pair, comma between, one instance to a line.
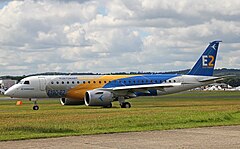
(205,64)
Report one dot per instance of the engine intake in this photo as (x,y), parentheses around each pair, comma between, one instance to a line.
(98,98)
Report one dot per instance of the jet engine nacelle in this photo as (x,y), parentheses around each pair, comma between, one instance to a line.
(67,101)
(98,98)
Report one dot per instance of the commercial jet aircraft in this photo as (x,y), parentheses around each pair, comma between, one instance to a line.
(102,90)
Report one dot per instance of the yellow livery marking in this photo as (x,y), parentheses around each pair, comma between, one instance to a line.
(210,64)
(79,91)
(205,60)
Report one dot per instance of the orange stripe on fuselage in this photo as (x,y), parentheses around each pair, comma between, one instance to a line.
(79,91)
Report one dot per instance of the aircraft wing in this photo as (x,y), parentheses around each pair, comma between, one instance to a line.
(141,88)
(147,86)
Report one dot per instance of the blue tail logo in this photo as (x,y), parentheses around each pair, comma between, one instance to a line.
(205,64)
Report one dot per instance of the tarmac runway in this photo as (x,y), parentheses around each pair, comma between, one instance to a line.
(207,137)
(5,98)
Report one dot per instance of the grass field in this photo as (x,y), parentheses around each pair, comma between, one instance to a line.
(185,110)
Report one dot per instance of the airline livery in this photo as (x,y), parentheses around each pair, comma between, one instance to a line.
(102,90)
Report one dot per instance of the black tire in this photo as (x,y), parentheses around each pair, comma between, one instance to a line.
(126,105)
(35,107)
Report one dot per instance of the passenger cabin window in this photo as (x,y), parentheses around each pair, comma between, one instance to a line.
(26,82)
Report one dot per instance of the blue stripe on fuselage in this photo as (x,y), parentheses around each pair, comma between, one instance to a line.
(140,80)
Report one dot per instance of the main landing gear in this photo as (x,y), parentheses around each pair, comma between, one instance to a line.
(35,106)
(123,104)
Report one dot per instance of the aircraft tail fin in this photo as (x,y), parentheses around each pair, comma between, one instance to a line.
(205,64)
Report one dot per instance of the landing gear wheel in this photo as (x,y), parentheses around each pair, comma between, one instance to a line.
(35,107)
(108,106)
(125,105)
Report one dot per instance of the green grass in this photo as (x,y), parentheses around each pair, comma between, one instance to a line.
(185,110)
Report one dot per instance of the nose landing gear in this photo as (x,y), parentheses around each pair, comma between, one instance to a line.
(35,107)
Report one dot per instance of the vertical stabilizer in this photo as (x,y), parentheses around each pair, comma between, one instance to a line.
(205,64)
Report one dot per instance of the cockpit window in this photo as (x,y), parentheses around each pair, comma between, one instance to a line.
(21,82)
(26,82)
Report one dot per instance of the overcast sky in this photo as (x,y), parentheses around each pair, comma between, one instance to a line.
(115,35)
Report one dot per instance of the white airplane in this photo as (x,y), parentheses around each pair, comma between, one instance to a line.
(102,90)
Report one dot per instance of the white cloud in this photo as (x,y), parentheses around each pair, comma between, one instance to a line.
(112,36)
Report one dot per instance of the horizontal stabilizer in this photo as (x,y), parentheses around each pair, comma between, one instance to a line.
(215,78)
